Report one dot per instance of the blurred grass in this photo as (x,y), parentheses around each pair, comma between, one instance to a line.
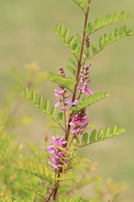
(26,35)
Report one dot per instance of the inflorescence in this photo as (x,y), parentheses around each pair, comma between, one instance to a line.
(78,120)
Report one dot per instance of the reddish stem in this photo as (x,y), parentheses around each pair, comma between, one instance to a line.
(79,68)
(54,192)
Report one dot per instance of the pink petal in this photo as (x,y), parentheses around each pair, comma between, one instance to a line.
(78,122)
(72,123)
(73,131)
(88,92)
(64,109)
(58,103)
(86,119)
(68,102)
(75,102)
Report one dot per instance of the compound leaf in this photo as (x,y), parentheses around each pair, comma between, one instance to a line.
(105,21)
(84,102)
(100,135)
(66,82)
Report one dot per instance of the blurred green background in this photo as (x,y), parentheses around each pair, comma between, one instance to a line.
(26,35)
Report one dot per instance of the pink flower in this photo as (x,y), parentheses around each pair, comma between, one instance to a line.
(64,109)
(70,103)
(59,157)
(84,80)
(88,92)
(57,103)
(79,122)
(84,88)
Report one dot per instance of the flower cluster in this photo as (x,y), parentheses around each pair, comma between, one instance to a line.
(84,80)
(61,94)
(59,156)
(79,122)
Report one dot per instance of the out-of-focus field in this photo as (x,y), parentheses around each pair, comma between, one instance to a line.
(26,35)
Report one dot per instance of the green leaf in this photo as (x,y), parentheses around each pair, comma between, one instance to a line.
(85,102)
(32,96)
(82,4)
(94,48)
(79,37)
(71,40)
(75,47)
(36,169)
(128,16)
(26,93)
(46,105)
(121,31)
(87,54)
(77,160)
(113,36)
(36,189)
(5,145)
(66,176)
(66,82)
(114,129)
(125,29)
(121,15)
(106,131)
(52,112)
(100,134)
(93,136)
(85,137)
(56,29)
(90,27)
(109,18)
(105,21)
(129,33)
(73,62)
(106,39)
(17,87)
(101,43)
(65,35)
(71,69)
(116,33)
(120,130)
(40,99)
(60,148)
(61,29)
(60,117)
(115,16)
(65,43)
(96,24)
(50,115)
